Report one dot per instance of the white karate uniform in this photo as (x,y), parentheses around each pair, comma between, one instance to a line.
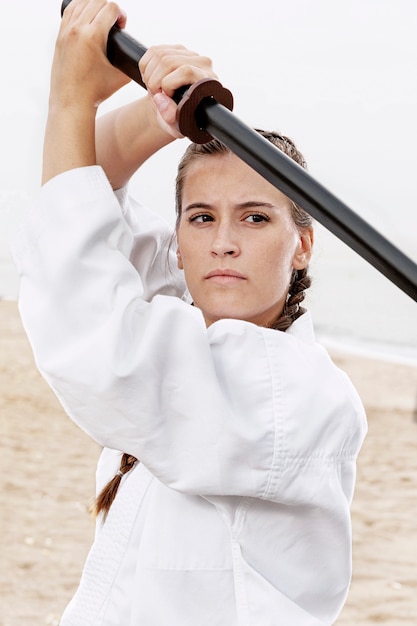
(238,512)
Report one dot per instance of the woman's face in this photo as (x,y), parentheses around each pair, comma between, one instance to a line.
(237,242)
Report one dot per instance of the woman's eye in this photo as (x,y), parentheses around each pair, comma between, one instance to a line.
(201,218)
(256,218)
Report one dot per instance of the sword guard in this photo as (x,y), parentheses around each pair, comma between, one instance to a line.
(187,111)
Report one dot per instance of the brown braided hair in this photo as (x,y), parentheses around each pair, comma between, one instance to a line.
(106,496)
(300,280)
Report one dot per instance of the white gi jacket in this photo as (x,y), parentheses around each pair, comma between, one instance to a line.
(238,513)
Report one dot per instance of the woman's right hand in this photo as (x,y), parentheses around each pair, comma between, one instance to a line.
(81,73)
(81,78)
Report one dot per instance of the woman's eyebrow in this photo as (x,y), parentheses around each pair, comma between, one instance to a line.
(249,204)
(197,205)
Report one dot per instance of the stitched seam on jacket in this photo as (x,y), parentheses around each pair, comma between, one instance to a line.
(278,408)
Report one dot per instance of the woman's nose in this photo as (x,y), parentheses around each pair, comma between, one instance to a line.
(225,243)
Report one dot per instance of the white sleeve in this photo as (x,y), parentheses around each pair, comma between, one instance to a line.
(153,252)
(217,411)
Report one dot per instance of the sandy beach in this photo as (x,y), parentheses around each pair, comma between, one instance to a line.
(47,470)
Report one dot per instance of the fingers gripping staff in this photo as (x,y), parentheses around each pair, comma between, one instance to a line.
(124,52)
(204,112)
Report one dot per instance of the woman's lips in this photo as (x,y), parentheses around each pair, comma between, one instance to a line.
(224,277)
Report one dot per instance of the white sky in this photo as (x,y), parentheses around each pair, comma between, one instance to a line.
(337,76)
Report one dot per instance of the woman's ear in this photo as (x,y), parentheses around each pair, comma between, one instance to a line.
(304,248)
(179,260)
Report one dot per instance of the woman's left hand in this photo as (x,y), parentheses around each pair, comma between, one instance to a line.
(166,68)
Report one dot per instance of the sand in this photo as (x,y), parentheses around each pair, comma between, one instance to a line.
(47,470)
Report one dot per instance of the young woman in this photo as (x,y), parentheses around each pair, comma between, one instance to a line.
(229,436)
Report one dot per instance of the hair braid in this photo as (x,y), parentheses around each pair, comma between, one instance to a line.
(296,294)
(106,496)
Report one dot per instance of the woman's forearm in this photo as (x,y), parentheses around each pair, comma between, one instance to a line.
(81,78)
(126,138)
(69,141)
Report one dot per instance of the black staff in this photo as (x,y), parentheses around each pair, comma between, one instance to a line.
(204,112)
